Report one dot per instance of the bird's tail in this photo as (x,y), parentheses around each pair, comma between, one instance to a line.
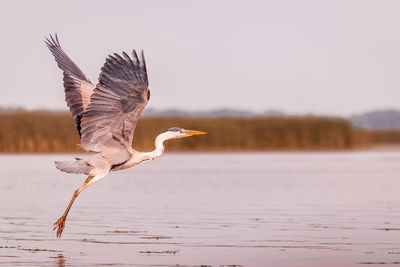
(77,166)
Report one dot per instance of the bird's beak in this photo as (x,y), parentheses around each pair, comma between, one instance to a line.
(191,132)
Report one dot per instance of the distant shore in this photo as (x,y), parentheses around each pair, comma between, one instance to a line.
(55,132)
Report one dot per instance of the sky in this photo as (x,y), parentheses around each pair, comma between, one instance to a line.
(321,57)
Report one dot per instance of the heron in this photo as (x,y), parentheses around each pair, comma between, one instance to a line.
(106,116)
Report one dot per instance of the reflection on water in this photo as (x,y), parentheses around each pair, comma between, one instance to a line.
(60,261)
(281,209)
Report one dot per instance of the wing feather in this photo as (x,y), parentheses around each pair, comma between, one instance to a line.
(116,103)
(78,89)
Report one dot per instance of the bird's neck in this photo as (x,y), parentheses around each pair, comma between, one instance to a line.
(158,151)
(139,157)
(159,144)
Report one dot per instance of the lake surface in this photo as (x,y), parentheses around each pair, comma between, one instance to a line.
(250,209)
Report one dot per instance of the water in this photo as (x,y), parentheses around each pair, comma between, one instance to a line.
(255,209)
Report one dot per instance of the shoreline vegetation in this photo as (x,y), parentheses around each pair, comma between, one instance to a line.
(55,132)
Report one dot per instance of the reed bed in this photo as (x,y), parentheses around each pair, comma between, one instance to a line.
(55,132)
(385,137)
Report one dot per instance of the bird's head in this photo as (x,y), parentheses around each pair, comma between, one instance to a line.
(175,132)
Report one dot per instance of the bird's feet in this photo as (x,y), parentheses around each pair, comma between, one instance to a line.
(60,224)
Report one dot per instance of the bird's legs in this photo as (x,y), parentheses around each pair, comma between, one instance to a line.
(61,222)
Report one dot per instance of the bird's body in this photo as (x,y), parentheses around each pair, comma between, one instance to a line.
(106,116)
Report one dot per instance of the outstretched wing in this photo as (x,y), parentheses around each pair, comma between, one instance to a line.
(116,104)
(78,88)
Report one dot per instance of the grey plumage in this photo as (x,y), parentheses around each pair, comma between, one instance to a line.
(78,88)
(77,166)
(174,129)
(116,104)
(105,115)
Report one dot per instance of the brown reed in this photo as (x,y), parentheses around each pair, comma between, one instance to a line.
(43,132)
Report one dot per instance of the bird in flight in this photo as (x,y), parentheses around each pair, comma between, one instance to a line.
(106,116)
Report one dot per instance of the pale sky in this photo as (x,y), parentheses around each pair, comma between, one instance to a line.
(322,57)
